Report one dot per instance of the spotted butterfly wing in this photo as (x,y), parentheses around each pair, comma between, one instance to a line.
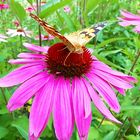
(76,40)
(53,32)
(84,36)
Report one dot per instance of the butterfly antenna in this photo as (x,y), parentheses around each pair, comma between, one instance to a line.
(62,49)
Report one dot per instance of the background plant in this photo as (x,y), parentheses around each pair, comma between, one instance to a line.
(115,45)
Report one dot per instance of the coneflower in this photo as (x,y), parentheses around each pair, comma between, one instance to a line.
(64,86)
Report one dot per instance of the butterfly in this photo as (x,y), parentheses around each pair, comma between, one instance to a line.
(73,41)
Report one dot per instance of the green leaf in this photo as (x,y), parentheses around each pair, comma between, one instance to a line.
(137,42)
(21,124)
(108,62)
(53,8)
(21,131)
(69,22)
(91,5)
(123,108)
(110,136)
(104,43)
(132,137)
(93,134)
(106,53)
(3,132)
(3,109)
(18,10)
(30,1)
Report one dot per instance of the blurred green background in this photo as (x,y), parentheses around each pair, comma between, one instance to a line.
(115,45)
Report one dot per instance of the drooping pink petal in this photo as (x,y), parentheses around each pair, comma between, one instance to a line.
(99,103)
(103,67)
(127,22)
(105,91)
(120,90)
(41,108)
(124,23)
(35,48)
(62,110)
(30,55)
(27,90)
(114,80)
(129,15)
(32,137)
(82,123)
(20,75)
(25,61)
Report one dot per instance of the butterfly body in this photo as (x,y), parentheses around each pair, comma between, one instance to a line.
(73,41)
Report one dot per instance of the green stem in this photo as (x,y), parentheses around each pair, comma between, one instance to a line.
(84,13)
(80,15)
(6,102)
(3,94)
(135,102)
(117,135)
(38,3)
(101,122)
(134,63)
(20,37)
(131,70)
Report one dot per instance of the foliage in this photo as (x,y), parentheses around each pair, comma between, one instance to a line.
(115,45)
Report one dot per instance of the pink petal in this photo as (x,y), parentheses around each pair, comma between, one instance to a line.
(114,80)
(20,75)
(33,138)
(82,123)
(127,22)
(120,90)
(24,61)
(103,67)
(30,55)
(105,91)
(99,103)
(124,23)
(35,48)
(41,108)
(129,15)
(62,110)
(86,98)
(27,90)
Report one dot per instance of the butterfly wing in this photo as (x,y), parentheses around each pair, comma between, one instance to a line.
(53,32)
(75,40)
(84,36)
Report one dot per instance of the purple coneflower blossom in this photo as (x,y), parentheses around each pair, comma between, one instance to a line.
(67,9)
(45,37)
(4,6)
(64,86)
(16,23)
(3,38)
(19,32)
(139,128)
(30,9)
(130,19)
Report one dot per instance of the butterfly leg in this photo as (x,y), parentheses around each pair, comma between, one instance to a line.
(82,56)
(66,58)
